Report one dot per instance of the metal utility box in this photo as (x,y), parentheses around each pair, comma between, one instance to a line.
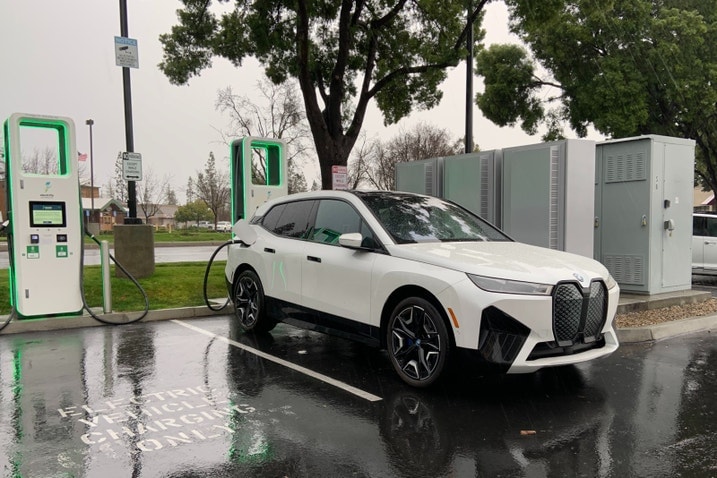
(472,181)
(643,212)
(547,194)
(424,176)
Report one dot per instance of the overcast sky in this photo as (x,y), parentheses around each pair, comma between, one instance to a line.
(58,59)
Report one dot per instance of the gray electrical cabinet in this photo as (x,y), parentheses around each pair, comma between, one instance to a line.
(643,212)
(424,176)
(472,181)
(547,194)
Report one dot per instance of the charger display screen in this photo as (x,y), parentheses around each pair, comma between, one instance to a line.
(47,214)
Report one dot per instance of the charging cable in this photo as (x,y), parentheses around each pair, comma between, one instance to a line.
(206,276)
(13,312)
(3,227)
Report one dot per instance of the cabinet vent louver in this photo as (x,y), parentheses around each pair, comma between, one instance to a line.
(429,179)
(553,213)
(626,167)
(626,269)
(484,187)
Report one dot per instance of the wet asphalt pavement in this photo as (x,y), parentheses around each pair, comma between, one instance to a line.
(191,398)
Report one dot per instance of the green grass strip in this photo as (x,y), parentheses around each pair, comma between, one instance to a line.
(172,285)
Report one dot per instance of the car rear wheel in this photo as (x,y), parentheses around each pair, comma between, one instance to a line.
(249,303)
(418,342)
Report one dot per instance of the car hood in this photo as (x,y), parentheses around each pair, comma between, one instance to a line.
(507,260)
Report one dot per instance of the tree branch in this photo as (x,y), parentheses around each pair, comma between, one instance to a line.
(461,41)
(388,18)
(409,70)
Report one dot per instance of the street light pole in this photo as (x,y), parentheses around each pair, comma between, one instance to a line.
(89,123)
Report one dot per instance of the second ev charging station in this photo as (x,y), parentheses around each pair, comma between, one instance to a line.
(249,190)
(45,215)
(259,172)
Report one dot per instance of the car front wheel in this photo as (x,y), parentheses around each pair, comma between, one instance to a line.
(417,341)
(249,303)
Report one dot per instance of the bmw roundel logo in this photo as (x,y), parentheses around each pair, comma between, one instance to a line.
(578,277)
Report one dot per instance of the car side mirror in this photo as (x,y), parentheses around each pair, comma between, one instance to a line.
(352,240)
(244,232)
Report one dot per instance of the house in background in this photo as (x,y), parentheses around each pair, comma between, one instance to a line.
(163,219)
(107,212)
(704,201)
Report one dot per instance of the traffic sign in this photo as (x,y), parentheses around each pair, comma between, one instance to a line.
(126,52)
(339,177)
(131,166)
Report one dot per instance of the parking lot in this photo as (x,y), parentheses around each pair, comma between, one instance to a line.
(195,397)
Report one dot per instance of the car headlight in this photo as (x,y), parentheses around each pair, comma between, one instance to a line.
(505,286)
(610,282)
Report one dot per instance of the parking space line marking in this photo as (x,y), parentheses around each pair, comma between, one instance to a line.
(298,368)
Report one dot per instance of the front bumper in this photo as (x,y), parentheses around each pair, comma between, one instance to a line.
(518,333)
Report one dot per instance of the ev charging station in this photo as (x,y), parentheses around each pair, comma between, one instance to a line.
(250,190)
(45,223)
(259,172)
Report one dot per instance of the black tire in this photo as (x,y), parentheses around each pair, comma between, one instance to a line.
(248,298)
(417,341)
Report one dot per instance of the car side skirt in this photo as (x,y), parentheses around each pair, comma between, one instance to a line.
(310,319)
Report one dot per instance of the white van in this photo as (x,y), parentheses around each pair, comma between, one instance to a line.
(704,243)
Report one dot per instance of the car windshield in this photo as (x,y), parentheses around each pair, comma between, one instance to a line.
(410,218)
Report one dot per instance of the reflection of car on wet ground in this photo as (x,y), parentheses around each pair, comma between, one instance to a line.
(421,277)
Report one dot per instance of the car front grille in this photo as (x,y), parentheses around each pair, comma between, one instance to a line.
(578,315)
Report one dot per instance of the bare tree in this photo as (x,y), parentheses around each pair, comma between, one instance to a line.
(40,162)
(358,164)
(276,112)
(44,161)
(151,193)
(375,161)
(212,187)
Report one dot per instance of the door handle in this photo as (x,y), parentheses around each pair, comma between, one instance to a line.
(269,250)
(314,259)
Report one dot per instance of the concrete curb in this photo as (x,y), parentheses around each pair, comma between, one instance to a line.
(636,303)
(651,333)
(62,323)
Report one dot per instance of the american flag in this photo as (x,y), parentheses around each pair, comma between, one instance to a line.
(81,157)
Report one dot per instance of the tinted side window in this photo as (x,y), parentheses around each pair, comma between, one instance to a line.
(334,218)
(711,226)
(293,219)
(271,218)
